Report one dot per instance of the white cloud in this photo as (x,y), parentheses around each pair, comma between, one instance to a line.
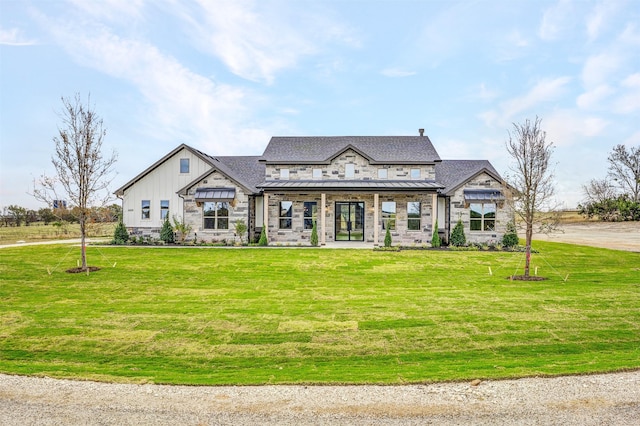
(598,68)
(14,37)
(597,20)
(112,10)
(183,105)
(567,127)
(630,35)
(594,98)
(481,92)
(629,101)
(556,20)
(256,40)
(544,91)
(395,72)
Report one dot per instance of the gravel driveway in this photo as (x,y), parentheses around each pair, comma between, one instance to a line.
(607,399)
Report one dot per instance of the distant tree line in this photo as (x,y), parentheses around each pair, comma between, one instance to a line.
(617,197)
(14,215)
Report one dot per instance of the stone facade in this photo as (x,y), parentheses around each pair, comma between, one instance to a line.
(460,210)
(400,235)
(336,170)
(238,210)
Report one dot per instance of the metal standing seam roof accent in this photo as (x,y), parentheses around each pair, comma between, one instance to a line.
(483,195)
(215,194)
(352,184)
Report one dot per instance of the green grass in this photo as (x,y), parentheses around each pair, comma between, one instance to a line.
(254,316)
(41,232)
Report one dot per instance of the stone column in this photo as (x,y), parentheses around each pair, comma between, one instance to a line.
(323,236)
(376,230)
(434,212)
(265,214)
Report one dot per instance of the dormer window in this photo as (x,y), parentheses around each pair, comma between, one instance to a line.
(284,174)
(317,173)
(415,173)
(349,170)
(382,173)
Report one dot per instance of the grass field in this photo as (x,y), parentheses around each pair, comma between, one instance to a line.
(254,316)
(41,232)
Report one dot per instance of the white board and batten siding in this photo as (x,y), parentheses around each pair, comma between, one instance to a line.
(159,184)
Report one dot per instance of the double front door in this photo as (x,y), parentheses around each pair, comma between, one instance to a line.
(350,221)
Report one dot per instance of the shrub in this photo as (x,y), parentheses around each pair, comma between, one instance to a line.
(241,229)
(166,232)
(387,238)
(314,234)
(120,234)
(510,238)
(182,227)
(458,239)
(263,237)
(435,238)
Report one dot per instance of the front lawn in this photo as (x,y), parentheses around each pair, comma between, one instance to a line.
(275,315)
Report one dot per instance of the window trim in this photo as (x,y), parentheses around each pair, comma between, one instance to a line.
(349,170)
(383,171)
(164,211)
(419,174)
(392,216)
(217,206)
(284,174)
(185,162)
(313,217)
(483,220)
(146,209)
(288,219)
(414,219)
(316,173)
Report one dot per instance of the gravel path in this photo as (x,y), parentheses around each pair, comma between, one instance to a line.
(607,399)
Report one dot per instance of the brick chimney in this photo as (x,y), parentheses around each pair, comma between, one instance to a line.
(421,131)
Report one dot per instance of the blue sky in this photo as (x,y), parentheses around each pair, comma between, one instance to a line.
(225,76)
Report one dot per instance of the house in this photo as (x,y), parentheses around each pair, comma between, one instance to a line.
(353,187)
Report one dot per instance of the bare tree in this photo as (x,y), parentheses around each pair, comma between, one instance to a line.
(598,190)
(624,168)
(82,173)
(532,184)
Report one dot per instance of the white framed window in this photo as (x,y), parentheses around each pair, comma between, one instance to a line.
(286,214)
(184,165)
(164,209)
(413,215)
(482,216)
(215,215)
(349,170)
(382,173)
(389,215)
(310,213)
(284,174)
(316,173)
(415,173)
(146,209)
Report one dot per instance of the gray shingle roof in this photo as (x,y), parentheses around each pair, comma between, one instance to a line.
(378,149)
(452,173)
(247,170)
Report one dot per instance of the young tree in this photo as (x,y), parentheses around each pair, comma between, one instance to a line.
(531,183)
(82,173)
(624,168)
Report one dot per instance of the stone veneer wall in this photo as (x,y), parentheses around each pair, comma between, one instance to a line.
(298,235)
(238,209)
(461,210)
(363,170)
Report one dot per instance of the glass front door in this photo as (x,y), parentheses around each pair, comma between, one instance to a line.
(350,221)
